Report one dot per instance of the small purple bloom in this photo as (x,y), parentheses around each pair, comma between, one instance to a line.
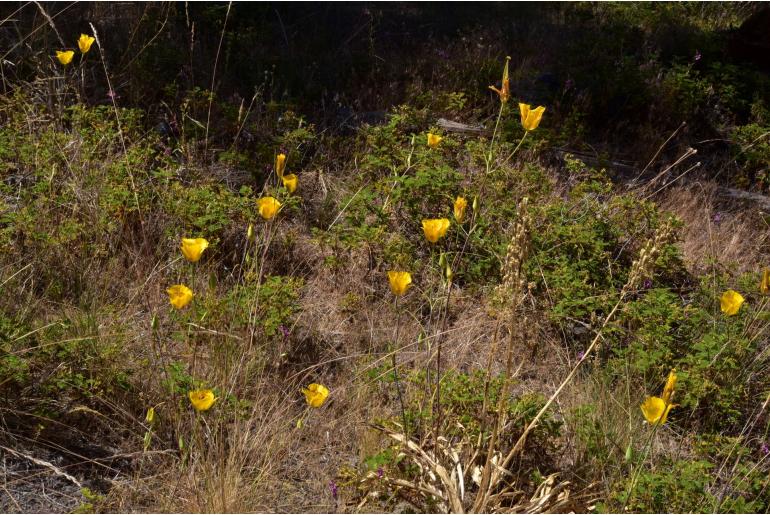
(647,284)
(333,489)
(581,355)
(765,449)
(717,218)
(284,331)
(698,55)
(380,472)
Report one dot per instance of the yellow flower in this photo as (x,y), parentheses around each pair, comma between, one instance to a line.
(150,415)
(731,302)
(655,410)
(85,42)
(505,91)
(434,140)
(268,207)
(192,248)
(65,57)
(202,399)
(668,390)
(764,286)
(530,118)
(460,205)
(179,295)
(399,282)
(280,164)
(315,394)
(435,228)
(250,232)
(290,182)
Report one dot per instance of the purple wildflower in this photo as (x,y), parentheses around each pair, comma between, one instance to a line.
(647,284)
(380,472)
(698,55)
(581,355)
(765,449)
(333,489)
(284,331)
(717,218)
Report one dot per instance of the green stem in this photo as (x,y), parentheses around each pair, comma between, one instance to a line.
(647,447)
(510,156)
(482,189)
(395,372)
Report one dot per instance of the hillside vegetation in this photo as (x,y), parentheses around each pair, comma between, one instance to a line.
(246,271)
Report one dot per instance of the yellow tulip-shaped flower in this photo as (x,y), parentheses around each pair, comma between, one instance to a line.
(764,285)
(505,87)
(655,410)
(280,164)
(179,295)
(316,394)
(731,302)
(193,248)
(668,390)
(268,207)
(399,282)
(202,400)
(530,118)
(459,208)
(65,57)
(434,140)
(84,43)
(435,229)
(290,182)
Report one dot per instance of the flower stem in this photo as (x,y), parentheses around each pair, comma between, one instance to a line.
(647,447)
(440,337)
(395,372)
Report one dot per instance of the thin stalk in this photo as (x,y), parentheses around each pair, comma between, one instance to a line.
(213,78)
(438,358)
(510,156)
(494,135)
(395,371)
(120,131)
(639,464)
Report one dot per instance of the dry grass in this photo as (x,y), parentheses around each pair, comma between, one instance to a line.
(718,230)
